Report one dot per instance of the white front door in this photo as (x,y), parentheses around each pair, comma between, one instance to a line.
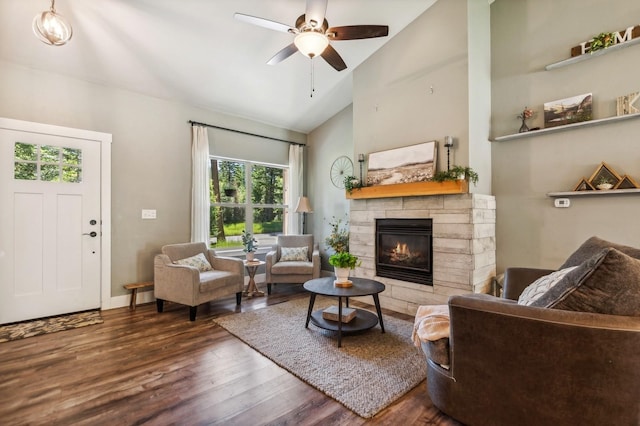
(50,224)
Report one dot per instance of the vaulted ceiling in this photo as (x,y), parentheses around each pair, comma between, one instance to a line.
(194,51)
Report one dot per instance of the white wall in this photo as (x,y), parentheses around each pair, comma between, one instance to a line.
(151,155)
(526,36)
(326,143)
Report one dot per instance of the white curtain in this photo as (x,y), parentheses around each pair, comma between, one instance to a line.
(295,188)
(200,182)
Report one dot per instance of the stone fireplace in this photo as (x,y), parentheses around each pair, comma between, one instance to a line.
(463,246)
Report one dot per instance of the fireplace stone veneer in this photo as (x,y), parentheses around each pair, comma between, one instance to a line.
(464,251)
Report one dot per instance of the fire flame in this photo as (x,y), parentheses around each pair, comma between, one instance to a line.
(402,249)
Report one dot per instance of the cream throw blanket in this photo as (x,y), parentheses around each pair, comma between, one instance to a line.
(431,323)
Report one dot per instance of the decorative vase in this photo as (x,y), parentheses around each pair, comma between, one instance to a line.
(250,256)
(342,274)
(524,127)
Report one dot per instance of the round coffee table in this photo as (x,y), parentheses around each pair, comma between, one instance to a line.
(363,320)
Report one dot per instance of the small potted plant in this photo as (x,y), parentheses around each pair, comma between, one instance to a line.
(250,244)
(604,183)
(342,263)
(338,239)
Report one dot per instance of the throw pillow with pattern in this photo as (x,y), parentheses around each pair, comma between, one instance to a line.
(540,286)
(198,261)
(292,254)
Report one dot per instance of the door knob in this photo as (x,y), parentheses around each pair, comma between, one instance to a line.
(91,234)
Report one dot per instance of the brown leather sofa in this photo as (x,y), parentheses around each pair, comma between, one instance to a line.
(520,365)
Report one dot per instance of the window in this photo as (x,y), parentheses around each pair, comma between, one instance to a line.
(246,195)
(47,163)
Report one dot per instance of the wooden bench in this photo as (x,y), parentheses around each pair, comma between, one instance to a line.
(134,291)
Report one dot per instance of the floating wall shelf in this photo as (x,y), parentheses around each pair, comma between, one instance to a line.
(409,189)
(588,56)
(594,193)
(566,127)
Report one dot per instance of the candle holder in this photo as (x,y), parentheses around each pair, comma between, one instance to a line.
(361,161)
(448,142)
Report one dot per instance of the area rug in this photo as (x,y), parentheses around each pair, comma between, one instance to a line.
(24,329)
(369,372)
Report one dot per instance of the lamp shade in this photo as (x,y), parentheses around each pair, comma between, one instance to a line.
(51,28)
(303,205)
(311,43)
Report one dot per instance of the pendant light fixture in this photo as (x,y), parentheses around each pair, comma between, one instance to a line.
(51,28)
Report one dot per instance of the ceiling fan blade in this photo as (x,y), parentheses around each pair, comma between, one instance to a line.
(316,10)
(283,54)
(333,58)
(357,32)
(266,23)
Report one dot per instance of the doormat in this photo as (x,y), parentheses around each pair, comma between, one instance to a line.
(24,329)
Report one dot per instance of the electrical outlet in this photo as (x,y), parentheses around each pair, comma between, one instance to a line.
(148,214)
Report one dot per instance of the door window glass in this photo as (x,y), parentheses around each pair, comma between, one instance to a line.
(47,163)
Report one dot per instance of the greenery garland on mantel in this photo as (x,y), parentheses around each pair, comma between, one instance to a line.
(352,183)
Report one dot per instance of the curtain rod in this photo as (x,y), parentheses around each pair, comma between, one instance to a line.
(195,123)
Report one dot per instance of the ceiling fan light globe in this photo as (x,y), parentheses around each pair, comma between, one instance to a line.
(311,43)
(51,28)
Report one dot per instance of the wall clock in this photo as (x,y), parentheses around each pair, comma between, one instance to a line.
(341,168)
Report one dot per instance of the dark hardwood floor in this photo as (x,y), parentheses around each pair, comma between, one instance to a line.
(141,367)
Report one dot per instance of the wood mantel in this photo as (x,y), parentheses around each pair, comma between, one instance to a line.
(409,189)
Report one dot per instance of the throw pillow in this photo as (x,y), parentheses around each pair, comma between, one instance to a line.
(198,261)
(607,283)
(291,254)
(593,246)
(540,286)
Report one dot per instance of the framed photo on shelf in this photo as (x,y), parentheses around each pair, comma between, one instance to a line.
(568,110)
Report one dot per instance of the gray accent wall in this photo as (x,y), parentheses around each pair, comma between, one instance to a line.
(526,36)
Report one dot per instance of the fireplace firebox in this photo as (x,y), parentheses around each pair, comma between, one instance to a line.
(404,250)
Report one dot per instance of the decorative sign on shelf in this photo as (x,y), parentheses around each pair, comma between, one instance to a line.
(604,40)
(628,104)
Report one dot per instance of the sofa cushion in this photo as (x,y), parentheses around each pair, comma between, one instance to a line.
(593,246)
(293,254)
(198,261)
(607,283)
(540,286)
(292,268)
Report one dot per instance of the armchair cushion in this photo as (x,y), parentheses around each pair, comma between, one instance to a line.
(607,283)
(288,254)
(199,261)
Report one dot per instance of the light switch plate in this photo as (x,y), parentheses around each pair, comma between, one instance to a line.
(148,214)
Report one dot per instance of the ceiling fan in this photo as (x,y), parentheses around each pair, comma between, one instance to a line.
(313,34)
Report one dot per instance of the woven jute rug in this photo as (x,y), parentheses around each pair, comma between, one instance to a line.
(369,372)
(24,329)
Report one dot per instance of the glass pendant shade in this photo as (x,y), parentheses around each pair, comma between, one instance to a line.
(52,28)
(311,43)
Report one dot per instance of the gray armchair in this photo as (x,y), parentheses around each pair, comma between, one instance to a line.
(187,285)
(280,270)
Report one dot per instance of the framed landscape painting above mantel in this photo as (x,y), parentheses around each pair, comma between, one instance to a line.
(414,163)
